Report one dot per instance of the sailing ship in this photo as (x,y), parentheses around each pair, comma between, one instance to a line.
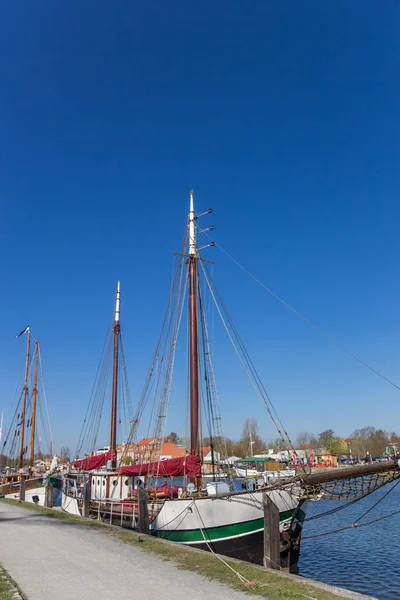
(34,478)
(213,517)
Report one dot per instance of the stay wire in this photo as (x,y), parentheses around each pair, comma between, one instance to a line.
(89,410)
(306,320)
(250,369)
(155,361)
(48,424)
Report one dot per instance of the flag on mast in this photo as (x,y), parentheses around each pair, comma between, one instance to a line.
(23,331)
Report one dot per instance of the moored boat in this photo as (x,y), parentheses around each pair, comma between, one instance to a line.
(209,515)
(213,516)
(34,480)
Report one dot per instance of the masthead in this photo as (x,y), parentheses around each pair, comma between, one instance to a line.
(117,302)
(192,226)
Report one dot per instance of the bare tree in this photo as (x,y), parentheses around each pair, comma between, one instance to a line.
(65,453)
(251,442)
(303,440)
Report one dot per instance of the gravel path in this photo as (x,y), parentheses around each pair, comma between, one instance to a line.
(55,559)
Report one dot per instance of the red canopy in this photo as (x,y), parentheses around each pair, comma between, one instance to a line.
(93,462)
(174,467)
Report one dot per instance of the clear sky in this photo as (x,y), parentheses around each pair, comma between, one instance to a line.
(283,117)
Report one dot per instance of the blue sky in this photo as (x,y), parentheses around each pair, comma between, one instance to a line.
(283,116)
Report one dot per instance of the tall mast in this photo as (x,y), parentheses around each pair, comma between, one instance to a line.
(117,329)
(34,398)
(25,393)
(193,331)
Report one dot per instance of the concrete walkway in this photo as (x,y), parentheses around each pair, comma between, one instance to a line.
(56,559)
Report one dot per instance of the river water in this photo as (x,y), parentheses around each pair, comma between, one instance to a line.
(364,559)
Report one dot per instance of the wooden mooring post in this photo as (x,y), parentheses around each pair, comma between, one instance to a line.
(86,498)
(272,556)
(48,495)
(22,489)
(143,522)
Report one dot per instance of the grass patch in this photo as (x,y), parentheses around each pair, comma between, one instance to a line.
(7,586)
(268,584)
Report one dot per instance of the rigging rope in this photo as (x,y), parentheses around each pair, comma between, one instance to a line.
(213,413)
(155,369)
(247,363)
(306,320)
(241,577)
(90,406)
(51,440)
(354,525)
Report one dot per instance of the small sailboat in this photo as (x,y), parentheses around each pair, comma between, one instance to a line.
(17,459)
(214,516)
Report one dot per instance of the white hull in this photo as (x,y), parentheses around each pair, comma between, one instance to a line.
(221,511)
(39,492)
(247,472)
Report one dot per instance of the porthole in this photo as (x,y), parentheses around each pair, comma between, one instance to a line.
(115,482)
(126,482)
(104,482)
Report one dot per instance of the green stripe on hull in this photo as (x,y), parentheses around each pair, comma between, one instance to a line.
(192,536)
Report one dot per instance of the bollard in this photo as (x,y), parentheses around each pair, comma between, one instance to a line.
(86,498)
(143,524)
(272,556)
(22,489)
(48,495)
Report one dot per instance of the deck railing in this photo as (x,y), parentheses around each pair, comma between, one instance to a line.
(125,514)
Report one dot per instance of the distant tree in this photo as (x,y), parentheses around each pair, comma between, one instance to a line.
(378,443)
(251,442)
(173,437)
(127,460)
(303,440)
(337,446)
(219,443)
(326,437)
(361,441)
(65,453)
(237,450)
(227,444)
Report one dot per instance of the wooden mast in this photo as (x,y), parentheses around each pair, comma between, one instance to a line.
(193,332)
(117,329)
(25,393)
(34,398)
